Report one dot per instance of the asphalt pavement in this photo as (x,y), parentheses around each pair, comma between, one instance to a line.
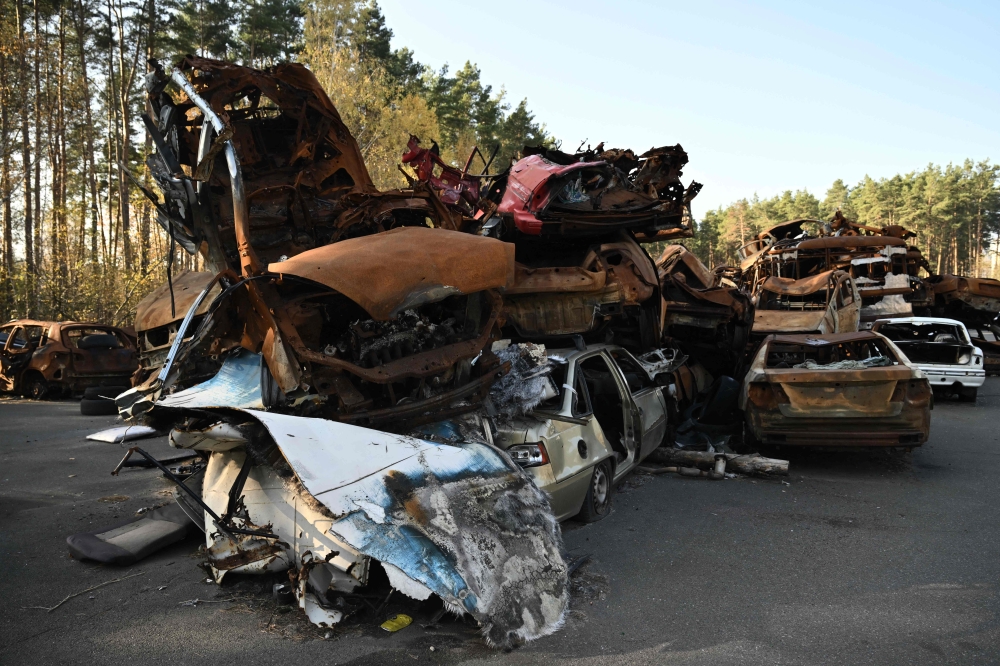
(853,559)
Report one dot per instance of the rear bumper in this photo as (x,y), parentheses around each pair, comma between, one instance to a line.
(910,428)
(949,376)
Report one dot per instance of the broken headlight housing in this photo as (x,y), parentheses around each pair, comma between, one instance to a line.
(529,455)
(965,357)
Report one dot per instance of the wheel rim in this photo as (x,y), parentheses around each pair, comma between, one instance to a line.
(601,487)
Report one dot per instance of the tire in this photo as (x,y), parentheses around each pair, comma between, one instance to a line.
(597,504)
(103,392)
(968,394)
(98,407)
(35,386)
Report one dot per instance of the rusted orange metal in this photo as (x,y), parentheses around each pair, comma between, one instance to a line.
(40,358)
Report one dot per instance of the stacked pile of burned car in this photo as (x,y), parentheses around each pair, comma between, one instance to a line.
(431,378)
(397,376)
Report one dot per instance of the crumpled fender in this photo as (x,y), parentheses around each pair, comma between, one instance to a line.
(461,521)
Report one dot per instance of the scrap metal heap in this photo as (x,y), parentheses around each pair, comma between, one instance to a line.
(705,314)
(329,305)
(885,270)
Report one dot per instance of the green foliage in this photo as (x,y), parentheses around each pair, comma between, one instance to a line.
(200,27)
(457,111)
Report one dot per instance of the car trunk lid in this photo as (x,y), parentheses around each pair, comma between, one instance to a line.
(821,393)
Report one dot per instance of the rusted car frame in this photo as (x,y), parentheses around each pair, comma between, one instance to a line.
(709,319)
(843,390)
(824,303)
(42,358)
(549,192)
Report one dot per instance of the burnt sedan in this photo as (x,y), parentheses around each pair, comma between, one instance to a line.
(942,349)
(843,390)
(45,358)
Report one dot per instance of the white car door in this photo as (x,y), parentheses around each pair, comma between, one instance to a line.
(648,399)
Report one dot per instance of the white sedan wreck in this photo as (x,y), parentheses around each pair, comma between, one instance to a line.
(942,349)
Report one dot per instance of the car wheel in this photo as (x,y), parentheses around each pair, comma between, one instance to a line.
(968,394)
(597,504)
(98,407)
(35,387)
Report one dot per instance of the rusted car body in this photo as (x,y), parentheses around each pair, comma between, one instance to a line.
(42,358)
(708,318)
(967,299)
(825,303)
(604,289)
(841,390)
(884,268)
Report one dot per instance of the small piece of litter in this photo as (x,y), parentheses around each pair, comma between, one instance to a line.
(327,635)
(432,648)
(161,588)
(397,622)
(72,475)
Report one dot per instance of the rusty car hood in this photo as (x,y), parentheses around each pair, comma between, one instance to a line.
(153,311)
(803,287)
(393,271)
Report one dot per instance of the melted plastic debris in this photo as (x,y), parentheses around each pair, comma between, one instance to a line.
(527,384)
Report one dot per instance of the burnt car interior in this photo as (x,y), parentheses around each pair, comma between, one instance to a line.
(789,355)
(606,401)
(929,342)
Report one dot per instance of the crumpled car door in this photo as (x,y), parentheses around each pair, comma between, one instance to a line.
(649,404)
(15,356)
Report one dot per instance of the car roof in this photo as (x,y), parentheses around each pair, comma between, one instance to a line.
(569,354)
(825,338)
(919,320)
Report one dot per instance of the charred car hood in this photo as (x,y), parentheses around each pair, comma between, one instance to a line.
(403,268)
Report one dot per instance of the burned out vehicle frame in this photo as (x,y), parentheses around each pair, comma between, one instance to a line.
(835,391)
(44,358)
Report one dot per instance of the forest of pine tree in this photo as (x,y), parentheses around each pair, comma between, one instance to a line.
(78,242)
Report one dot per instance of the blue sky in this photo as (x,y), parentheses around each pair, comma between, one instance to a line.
(763,96)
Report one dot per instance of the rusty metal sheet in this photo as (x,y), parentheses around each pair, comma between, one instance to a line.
(295,159)
(827,338)
(803,287)
(846,242)
(555,280)
(406,267)
(153,311)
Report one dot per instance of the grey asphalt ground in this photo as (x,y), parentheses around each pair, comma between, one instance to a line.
(857,559)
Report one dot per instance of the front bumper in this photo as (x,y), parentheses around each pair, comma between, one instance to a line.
(950,375)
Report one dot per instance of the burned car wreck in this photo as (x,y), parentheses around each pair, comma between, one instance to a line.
(352,367)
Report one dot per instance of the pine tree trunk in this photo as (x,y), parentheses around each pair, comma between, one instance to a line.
(29,251)
(39,252)
(89,167)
